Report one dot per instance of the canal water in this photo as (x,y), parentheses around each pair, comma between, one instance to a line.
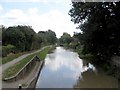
(64,69)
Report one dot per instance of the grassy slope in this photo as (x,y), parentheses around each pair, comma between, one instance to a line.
(16,67)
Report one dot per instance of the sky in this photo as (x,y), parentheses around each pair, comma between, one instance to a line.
(40,14)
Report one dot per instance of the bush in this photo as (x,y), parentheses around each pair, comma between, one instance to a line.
(73,45)
(8,49)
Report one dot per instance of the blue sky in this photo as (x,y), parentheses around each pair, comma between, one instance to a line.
(40,14)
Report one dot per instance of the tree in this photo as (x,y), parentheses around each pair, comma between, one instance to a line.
(65,38)
(37,42)
(29,36)
(20,36)
(2,28)
(48,37)
(51,37)
(24,38)
(14,37)
(42,35)
(99,23)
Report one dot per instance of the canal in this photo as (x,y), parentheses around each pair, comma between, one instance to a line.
(64,69)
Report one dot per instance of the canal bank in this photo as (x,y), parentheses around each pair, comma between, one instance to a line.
(64,69)
(33,81)
(29,79)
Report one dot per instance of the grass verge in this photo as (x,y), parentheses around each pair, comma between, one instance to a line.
(11,57)
(17,67)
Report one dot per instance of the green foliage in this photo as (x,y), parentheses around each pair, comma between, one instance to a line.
(99,23)
(51,37)
(65,38)
(29,36)
(15,37)
(24,38)
(47,37)
(17,67)
(11,57)
(73,45)
(8,49)
(100,36)
(111,70)
(42,35)
(37,42)
(42,54)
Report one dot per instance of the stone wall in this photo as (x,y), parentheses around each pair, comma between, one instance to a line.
(25,70)
(34,80)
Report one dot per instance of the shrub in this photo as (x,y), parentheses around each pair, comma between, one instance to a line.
(8,49)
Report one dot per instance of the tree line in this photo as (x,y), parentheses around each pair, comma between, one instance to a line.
(100,26)
(99,39)
(23,38)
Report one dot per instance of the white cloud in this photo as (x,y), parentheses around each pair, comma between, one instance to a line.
(15,13)
(76,65)
(33,11)
(54,20)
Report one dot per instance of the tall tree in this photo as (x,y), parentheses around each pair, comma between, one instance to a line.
(100,25)
(12,35)
(29,36)
(48,37)
(20,36)
(65,38)
(51,37)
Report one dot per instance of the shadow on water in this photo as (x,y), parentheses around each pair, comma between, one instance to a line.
(95,80)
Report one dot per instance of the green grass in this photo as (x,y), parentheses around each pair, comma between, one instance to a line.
(11,57)
(17,67)
(44,52)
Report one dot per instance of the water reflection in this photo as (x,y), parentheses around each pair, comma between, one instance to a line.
(64,69)
(91,80)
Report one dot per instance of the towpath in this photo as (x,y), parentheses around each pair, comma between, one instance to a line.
(7,65)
